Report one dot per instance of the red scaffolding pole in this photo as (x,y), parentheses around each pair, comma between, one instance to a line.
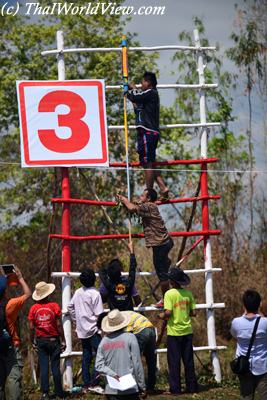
(204,193)
(205,203)
(114,203)
(134,235)
(66,202)
(167,162)
(65,185)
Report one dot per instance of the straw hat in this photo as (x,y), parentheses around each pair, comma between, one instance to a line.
(114,321)
(42,290)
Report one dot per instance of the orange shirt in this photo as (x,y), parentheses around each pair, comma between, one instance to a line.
(12,310)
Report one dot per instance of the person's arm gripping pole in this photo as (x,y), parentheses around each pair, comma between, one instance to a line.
(126,133)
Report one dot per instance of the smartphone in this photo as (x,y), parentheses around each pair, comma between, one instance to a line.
(8,268)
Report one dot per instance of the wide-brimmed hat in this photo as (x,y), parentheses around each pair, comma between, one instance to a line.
(42,290)
(114,321)
(3,284)
(178,276)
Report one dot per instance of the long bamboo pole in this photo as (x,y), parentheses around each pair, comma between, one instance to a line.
(126,131)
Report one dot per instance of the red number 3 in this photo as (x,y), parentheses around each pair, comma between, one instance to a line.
(80,133)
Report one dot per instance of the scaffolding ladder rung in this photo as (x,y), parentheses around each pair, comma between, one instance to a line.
(119,49)
(171,126)
(172,86)
(158,351)
(144,273)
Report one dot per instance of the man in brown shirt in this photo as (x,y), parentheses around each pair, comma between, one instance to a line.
(156,234)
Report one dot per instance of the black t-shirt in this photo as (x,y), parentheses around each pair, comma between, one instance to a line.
(120,293)
(146,108)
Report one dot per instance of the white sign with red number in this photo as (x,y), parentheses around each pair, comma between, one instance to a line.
(62,123)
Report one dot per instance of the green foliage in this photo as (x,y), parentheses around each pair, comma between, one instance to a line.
(26,193)
(247,51)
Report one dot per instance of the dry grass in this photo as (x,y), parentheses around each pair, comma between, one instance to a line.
(210,390)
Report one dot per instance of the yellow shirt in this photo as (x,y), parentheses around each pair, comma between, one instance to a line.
(180,302)
(137,322)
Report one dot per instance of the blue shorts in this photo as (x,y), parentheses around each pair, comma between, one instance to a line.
(147,142)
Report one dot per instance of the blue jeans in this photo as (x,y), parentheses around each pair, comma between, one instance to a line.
(49,349)
(89,346)
(9,370)
(14,378)
(147,344)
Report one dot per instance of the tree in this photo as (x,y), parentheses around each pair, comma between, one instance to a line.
(249,55)
(25,193)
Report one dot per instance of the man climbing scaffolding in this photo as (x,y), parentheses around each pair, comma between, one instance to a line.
(146,108)
(156,234)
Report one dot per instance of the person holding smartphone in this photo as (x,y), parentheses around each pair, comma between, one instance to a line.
(12,307)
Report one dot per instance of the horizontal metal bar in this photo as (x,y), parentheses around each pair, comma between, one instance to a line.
(167,162)
(83,50)
(172,47)
(198,307)
(158,351)
(210,306)
(172,86)
(119,236)
(188,271)
(200,348)
(170,126)
(115,204)
(119,49)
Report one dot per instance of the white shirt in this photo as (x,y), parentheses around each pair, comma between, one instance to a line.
(85,307)
(241,330)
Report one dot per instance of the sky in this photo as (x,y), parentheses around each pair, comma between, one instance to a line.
(152,30)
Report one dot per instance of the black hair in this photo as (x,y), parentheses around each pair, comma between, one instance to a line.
(251,300)
(150,77)
(152,194)
(87,277)
(114,270)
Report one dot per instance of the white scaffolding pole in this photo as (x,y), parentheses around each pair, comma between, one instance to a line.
(208,261)
(66,280)
(153,308)
(119,49)
(158,351)
(146,273)
(171,86)
(170,126)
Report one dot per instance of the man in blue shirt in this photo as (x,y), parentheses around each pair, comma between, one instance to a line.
(146,107)
(241,330)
